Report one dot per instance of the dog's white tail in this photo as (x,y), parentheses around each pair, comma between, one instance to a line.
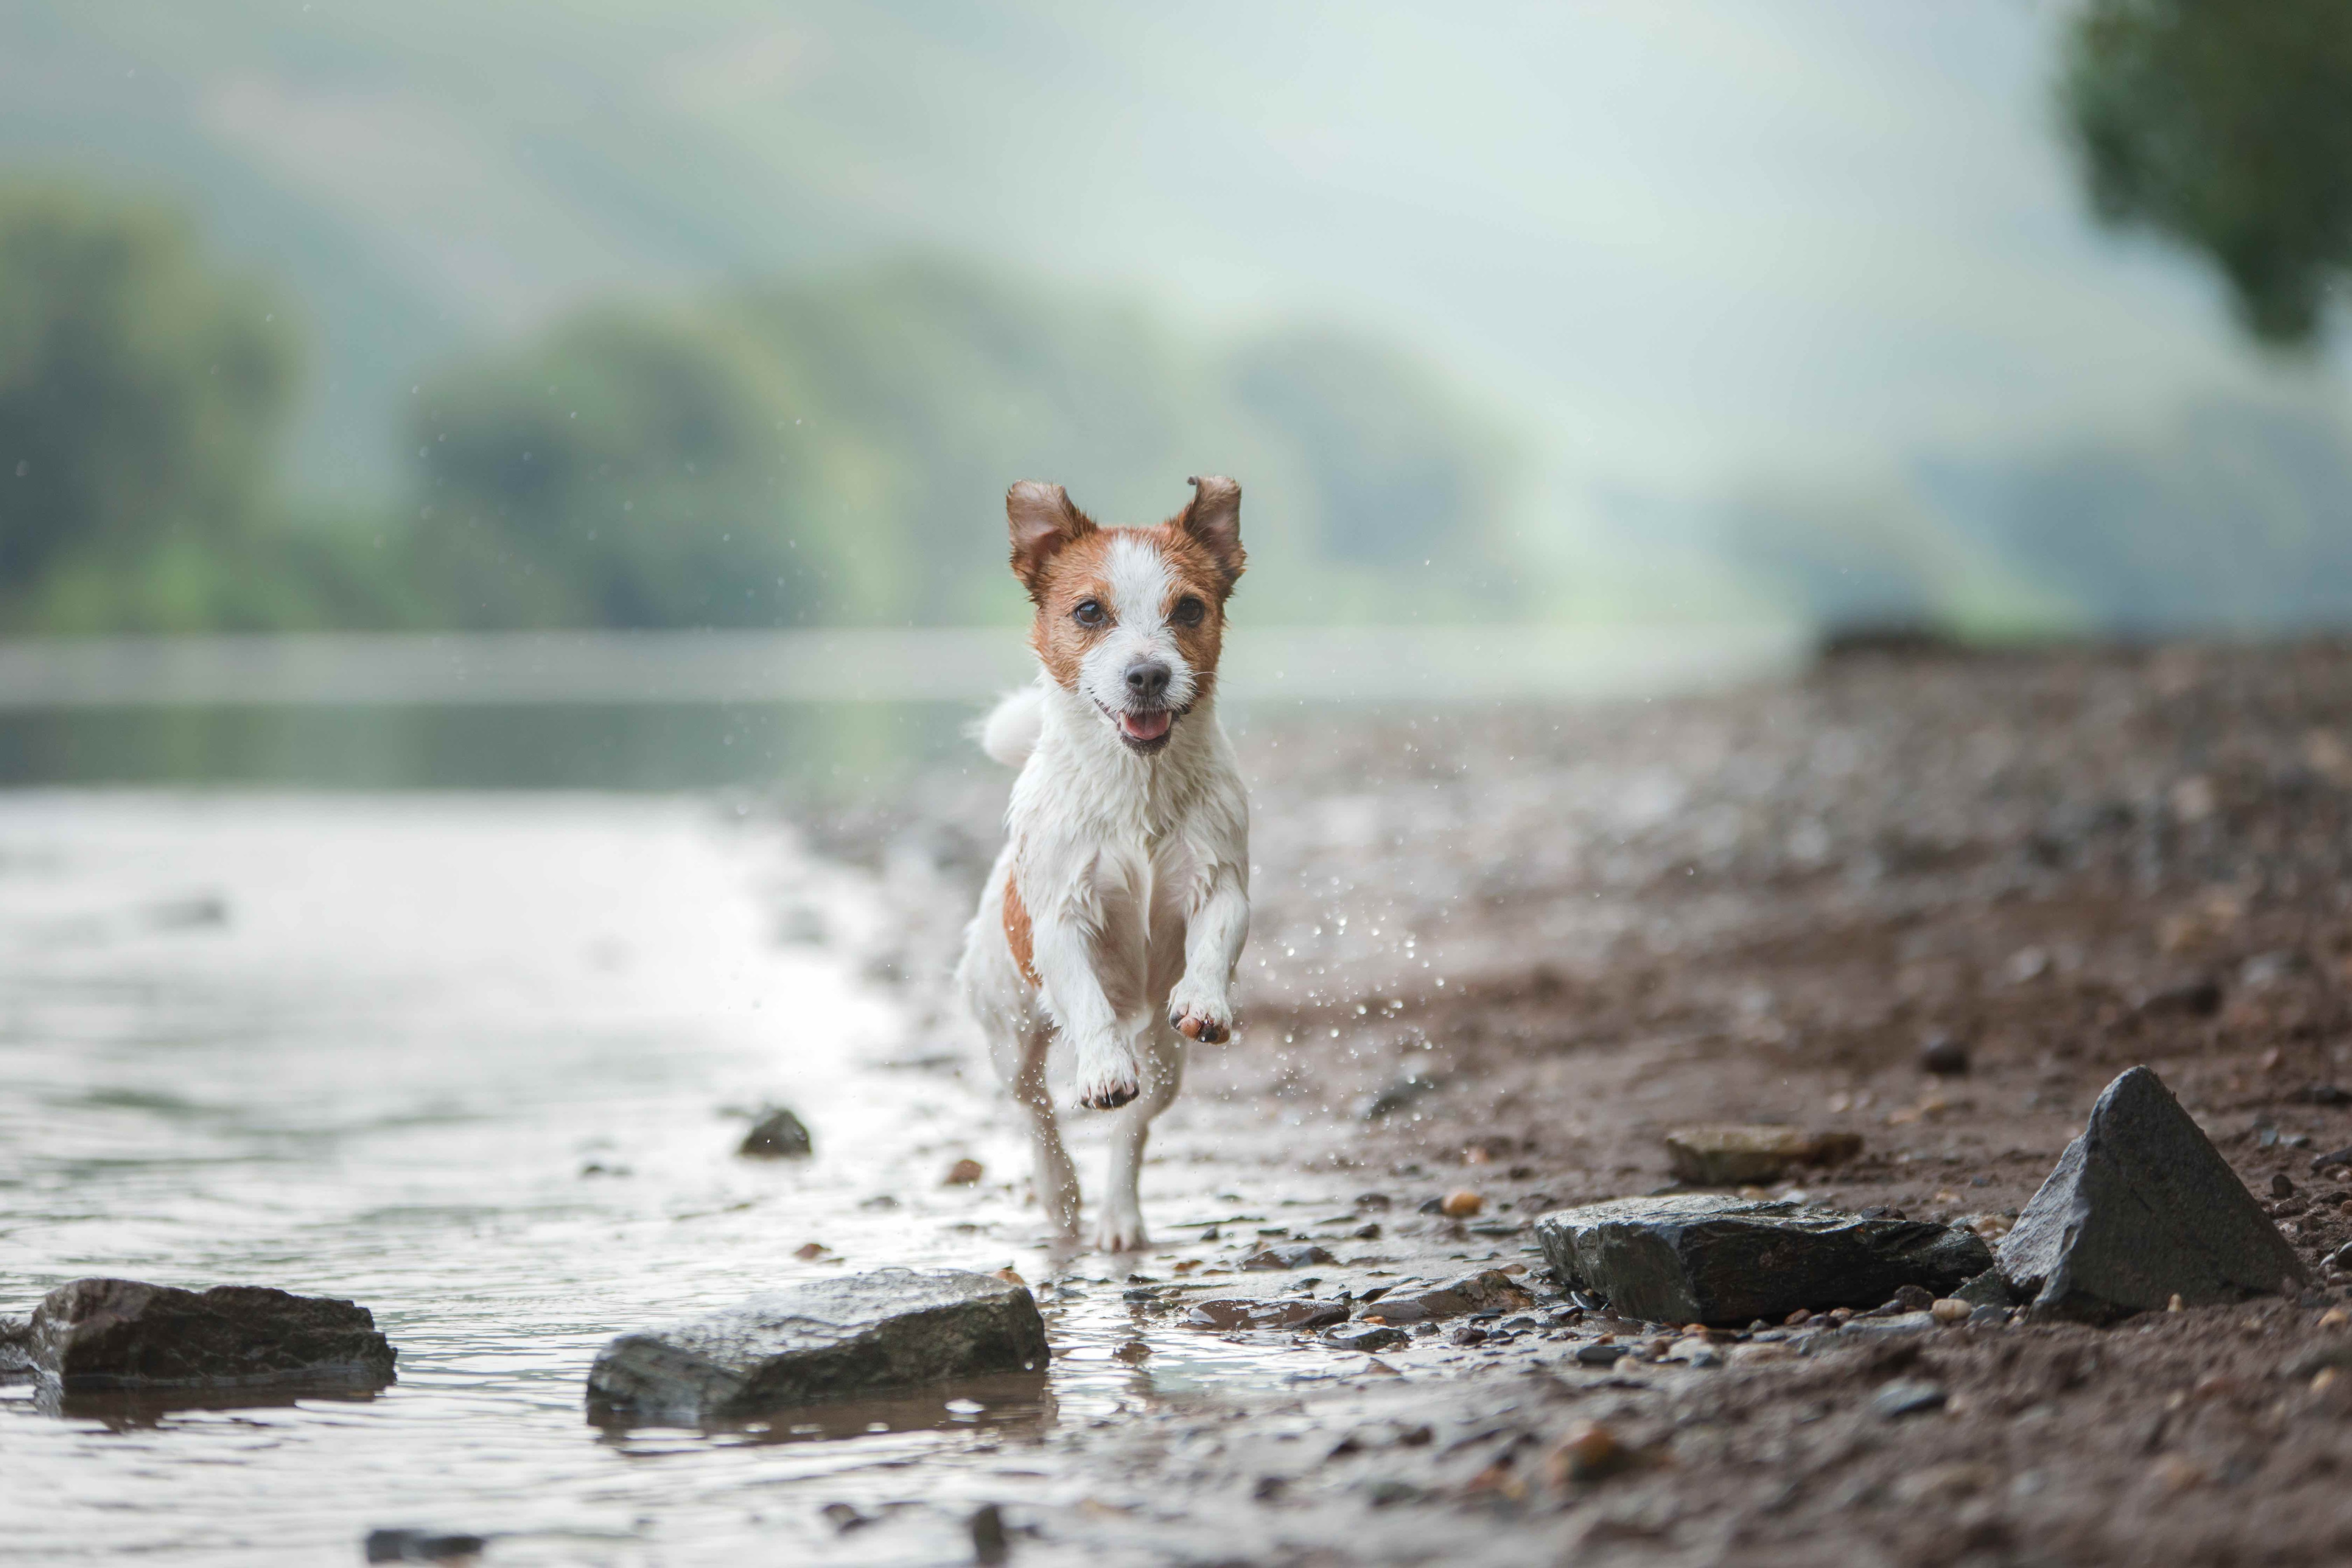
(1010,732)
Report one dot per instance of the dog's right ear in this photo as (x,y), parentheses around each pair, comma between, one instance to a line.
(1043,522)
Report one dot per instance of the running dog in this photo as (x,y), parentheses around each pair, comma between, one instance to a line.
(1117,911)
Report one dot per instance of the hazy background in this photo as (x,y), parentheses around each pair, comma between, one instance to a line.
(1996,318)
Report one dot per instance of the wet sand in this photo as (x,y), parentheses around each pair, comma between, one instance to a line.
(1584,927)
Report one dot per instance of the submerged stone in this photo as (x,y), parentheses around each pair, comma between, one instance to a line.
(1482,1290)
(1699,1258)
(778,1134)
(98,1334)
(827,1340)
(1260,1312)
(1288,1255)
(1729,1155)
(2140,1208)
(422,1545)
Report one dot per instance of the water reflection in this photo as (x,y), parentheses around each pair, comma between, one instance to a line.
(1014,1405)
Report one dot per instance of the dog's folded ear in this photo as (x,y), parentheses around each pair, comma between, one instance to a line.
(1043,522)
(1214,519)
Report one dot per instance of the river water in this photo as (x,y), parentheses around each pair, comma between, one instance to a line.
(478,1062)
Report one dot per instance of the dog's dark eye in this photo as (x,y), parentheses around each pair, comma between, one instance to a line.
(1089,613)
(1189,611)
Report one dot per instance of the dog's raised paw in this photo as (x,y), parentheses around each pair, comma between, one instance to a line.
(1211,1023)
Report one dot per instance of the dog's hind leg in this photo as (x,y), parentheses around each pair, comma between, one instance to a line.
(1119,1227)
(1021,1063)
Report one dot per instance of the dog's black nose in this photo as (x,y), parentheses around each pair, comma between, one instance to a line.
(1147,681)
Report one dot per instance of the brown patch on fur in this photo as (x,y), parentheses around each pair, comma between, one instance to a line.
(1195,572)
(1017,934)
(1073,576)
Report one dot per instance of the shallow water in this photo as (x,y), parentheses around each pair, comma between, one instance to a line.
(478,1063)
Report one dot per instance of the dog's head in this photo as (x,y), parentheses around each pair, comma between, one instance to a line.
(1130,618)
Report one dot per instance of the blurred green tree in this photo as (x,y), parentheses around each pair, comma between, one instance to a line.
(837,451)
(143,395)
(630,469)
(2226,124)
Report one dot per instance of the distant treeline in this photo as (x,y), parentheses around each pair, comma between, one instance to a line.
(819,451)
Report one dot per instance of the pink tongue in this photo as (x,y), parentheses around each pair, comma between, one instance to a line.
(1144,726)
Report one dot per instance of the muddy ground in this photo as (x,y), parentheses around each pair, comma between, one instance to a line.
(1551,935)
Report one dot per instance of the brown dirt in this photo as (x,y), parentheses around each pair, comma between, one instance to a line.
(1587,926)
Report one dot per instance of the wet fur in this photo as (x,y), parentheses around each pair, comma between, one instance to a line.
(1116,913)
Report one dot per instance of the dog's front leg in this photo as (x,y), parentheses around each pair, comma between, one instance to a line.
(1201,1007)
(1088,950)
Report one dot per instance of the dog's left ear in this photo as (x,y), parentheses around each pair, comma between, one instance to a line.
(1213,520)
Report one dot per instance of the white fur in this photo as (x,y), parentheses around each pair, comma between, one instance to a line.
(1135,871)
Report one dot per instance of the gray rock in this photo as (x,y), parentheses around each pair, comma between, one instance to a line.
(1705,1259)
(1259,1312)
(2142,1207)
(830,1339)
(1906,1397)
(1293,1255)
(421,1546)
(1482,1290)
(1894,1327)
(1987,1289)
(776,1135)
(98,1334)
(1366,1337)
(988,1545)
(1602,1355)
(1395,1096)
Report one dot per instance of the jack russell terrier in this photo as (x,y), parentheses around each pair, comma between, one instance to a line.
(1116,913)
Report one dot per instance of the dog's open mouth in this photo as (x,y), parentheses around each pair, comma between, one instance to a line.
(1143,728)
(1142,732)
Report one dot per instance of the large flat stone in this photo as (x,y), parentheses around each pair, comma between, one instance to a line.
(1699,1258)
(828,1339)
(1729,1155)
(2140,1208)
(98,1334)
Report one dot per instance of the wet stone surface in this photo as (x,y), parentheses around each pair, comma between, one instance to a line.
(1699,1258)
(1260,1313)
(94,1335)
(817,1343)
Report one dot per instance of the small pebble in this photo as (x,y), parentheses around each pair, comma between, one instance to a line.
(1460,1203)
(1589,1452)
(988,1542)
(2335,1318)
(2174,1305)
(1944,1056)
(2281,1187)
(1950,1310)
(1905,1397)
(1012,1277)
(809,1251)
(1801,1315)
(963,1174)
